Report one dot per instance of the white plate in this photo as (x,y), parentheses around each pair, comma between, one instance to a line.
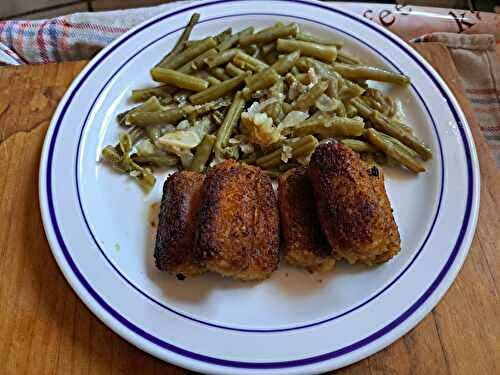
(97,222)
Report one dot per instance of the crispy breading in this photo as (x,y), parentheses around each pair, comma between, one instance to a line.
(304,244)
(352,205)
(238,227)
(177,224)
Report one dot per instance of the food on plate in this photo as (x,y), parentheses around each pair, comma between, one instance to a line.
(352,205)
(263,97)
(303,242)
(177,224)
(238,223)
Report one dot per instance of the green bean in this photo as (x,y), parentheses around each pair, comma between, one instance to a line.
(400,145)
(183,38)
(382,123)
(307,99)
(393,128)
(145,179)
(217,91)
(393,151)
(252,50)
(306,37)
(233,39)
(202,109)
(224,35)
(349,90)
(203,152)
(221,58)
(341,110)
(177,79)
(158,160)
(347,58)
(191,43)
(358,146)
(233,70)
(350,110)
(144,119)
(230,122)
(319,51)
(331,127)
(370,73)
(189,54)
(261,80)
(286,63)
(362,108)
(267,48)
(247,62)
(197,62)
(125,143)
(150,105)
(162,92)
(272,57)
(220,73)
(399,124)
(213,80)
(302,78)
(300,148)
(110,155)
(377,100)
(270,34)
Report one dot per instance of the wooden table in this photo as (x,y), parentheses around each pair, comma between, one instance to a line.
(46,329)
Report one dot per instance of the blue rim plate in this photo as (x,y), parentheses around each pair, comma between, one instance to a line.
(97,222)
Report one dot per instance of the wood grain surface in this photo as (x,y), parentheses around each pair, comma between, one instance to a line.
(46,329)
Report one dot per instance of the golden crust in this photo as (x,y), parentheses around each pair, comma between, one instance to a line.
(177,224)
(304,244)
(352,204)
(238,227)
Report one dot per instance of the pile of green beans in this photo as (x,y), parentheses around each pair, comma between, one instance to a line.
(290,89)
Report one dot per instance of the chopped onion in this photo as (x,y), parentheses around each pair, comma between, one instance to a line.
(292,119)
(326,104)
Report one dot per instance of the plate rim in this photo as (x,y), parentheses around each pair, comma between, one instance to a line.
(420,311)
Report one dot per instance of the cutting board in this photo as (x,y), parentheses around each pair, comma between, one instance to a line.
(46,329)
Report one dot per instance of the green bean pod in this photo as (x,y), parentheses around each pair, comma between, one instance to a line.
(221,58)
(157,160)
(307,99)
(370,73)
(331,127)
(156,118)
(182,40)
(233,70)
(203,152)
(246,62)
(300,148)
(217,91)
(162,92)
(220,73)
(230,122)
(197,62)
(306,37)
(150,105)
(318,51)
(358,146)
(233,39)
(391,150)
(286,63)
(189,54)
(261,80)
(180,80)
(270,34)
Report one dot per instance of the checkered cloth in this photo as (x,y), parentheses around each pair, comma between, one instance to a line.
(475,59)
(81,35)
